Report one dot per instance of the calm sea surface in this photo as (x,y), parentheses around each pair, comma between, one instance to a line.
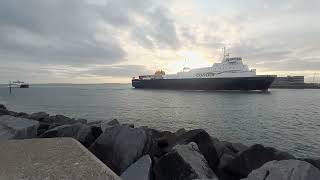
(286,119)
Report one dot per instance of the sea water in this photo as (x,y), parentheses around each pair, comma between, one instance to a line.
(286,119)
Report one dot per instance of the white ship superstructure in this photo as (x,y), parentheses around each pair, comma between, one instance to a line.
(229,67)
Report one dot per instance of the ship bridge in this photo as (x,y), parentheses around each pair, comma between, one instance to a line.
(233,60)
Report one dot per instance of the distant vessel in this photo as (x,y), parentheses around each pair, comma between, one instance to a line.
(230,74)
(18,84)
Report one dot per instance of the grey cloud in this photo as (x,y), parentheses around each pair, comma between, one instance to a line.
(139,35)
(188,35)
(49,17)
(159,31)
(63,32)
(255,10)
(293,65)
(155,29)
(212,42)
(121,12)
(54,32)
(255,53)
(119,71)
(49,51)
(162,30)
(283,35)
(32,73)
(275,57)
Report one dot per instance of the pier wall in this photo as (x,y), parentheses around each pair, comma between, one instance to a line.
(50,158)
(289,82)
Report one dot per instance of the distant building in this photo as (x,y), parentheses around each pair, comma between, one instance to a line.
(289,82)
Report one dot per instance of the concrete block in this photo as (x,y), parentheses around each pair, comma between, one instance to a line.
(52,158)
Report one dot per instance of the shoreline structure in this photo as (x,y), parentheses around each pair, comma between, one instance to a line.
(148,154)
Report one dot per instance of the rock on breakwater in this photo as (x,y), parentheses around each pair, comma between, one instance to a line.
(17,128)
(161,155)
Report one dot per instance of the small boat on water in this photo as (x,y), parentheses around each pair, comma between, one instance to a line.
(18,84)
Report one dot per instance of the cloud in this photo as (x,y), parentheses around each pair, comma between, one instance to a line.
(83,34)
(62,40)
(119,71)
(292,65)
(269,35)
(54,32)
(149,24)
(65,32)
(123,12)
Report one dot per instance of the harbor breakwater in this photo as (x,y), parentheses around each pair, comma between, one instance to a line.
(145,153)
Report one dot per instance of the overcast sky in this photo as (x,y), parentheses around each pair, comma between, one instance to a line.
(106,41)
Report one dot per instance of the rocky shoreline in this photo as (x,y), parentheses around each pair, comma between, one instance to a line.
(142,153)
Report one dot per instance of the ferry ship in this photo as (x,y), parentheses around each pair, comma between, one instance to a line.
(230,74)
(18,84)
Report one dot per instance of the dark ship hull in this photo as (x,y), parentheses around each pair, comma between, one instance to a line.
(24,86)
(234,83)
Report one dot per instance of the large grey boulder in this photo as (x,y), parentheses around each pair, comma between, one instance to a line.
(113,122)
(227,151)
(140,170)
(180,131)
(12,113)
(285,170)
(84,134)
(81,120)
(162,142)
(94,123)
(22,115)
(253,158)
(204,143)
(314,162)
(224,147)
(39,116)
(238,147)
(119,146)
(17,128)
(184,162)
(3,110)
(158,142)
(104,124)
(107,124)
(48,122)
(58,120)
(3,107)
(225,159)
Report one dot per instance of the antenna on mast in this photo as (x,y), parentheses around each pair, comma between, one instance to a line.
(225,55)
(184,69)
(224,52)
(185,62)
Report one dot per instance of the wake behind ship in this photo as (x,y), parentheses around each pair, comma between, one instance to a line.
(230,74)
